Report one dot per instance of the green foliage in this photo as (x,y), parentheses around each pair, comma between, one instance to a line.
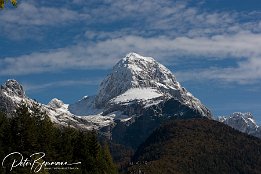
(106,161)
(29,132)
(198,146)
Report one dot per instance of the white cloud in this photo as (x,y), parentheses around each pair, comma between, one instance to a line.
(172,18)
(27,20)
(142,18)
(30,15)
(243,47)
(220,46)
(146,18)
(35,87)
(246,72)
(57,60)
(167,30)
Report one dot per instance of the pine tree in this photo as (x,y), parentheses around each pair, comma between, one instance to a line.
(94,145)
(107,155)
(106,162)
(24,130)
(31,131)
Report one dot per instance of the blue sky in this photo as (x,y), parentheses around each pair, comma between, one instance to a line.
(64,49)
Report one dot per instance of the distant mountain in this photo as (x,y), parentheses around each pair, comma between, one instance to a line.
(134,99)
(12,95)
(197,146)
(244,122)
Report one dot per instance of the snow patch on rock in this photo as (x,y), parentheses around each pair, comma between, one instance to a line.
(142,94)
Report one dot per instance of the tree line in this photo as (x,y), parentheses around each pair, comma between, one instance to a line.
(30,131)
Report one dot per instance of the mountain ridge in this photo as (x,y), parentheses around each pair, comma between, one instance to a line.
(138,90)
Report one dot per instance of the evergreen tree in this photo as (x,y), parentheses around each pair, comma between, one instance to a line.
(24,130)
(107,161)
(31,131)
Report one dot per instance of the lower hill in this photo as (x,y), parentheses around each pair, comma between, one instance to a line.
(197,146)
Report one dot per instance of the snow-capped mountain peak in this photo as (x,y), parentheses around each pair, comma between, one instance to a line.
(56,103)
(134,57)
(244,122)
(13,88)
(145,73)
(135,71)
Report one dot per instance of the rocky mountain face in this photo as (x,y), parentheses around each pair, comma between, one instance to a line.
(134,99)
(244,122)
(11,94)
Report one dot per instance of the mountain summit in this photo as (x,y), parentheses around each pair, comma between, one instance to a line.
(144,75)
(13,88)
(135,71)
